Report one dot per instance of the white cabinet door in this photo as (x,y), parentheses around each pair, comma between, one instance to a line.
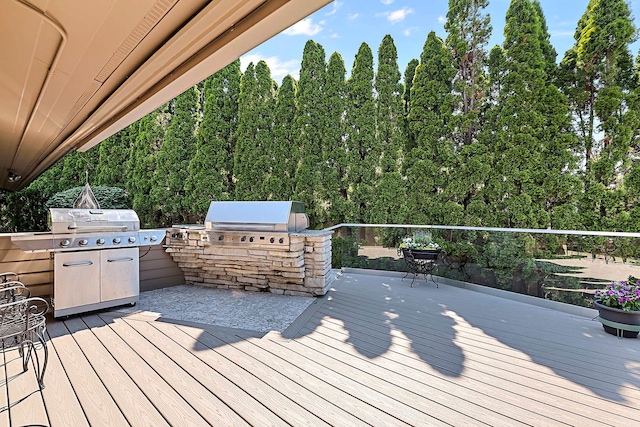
(76,279)
(120,273)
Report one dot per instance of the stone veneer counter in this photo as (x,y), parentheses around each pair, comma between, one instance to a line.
(301,269)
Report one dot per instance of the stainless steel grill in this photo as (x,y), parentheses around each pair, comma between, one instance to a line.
(82,229)
(95,257)
(258,224)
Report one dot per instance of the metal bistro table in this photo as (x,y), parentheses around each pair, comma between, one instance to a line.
(421,261)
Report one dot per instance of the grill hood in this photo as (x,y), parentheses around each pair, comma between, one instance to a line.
(63,220)
(273,216)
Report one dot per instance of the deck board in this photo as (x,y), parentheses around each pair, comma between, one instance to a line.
(249,407)
(374,351)
(101,409)
(64,408)
(181,397)
(4,399)
(23,389)
(288,410)
(135,406)
(268,370)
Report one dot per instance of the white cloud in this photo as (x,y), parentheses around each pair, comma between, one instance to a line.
(353,16)
(336,5)
(305,27)
(397,15)
(387,2)
(335,36)
(278,67)
(441,19)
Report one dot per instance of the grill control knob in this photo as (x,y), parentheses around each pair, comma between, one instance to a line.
(154,238)
(83,242)
(281,240)
(65,243)
(116,241)
(251,239)
(100,241)
(132,239)
(272,240)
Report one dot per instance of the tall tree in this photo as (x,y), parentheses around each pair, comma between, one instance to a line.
(211,169)
(334,190)
(534,168)
(255,113)
(362,149)
(409,74)
(310,130)
(113,161)
(389,190)
(142,164)
(468,29)
(284,156)
(596,74)
(177,150)
(430,118)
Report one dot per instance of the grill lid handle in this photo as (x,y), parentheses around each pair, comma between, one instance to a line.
(102,228)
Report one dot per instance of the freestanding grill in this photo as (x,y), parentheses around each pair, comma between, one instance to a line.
(95,257)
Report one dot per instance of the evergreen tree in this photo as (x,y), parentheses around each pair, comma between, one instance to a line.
(430,162)
(409,74)
(389,191)
(142,164)
(596,76)
(255,113)
(534,166)
(548,51)
(177,150)
(284,156)
(310,131)
(114,153)
(334,150)
(211,169)
(362,149)
(468,34)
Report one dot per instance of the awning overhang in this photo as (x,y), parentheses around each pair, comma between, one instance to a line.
(75,72)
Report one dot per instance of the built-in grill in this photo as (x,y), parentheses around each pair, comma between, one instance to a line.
(95,257)
(256,224)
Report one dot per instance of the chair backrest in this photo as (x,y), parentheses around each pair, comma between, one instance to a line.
(9,276)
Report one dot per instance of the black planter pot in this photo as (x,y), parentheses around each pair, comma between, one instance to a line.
(422,253)
(619,316)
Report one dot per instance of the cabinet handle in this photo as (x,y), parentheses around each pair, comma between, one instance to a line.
(123,259)
(77,264)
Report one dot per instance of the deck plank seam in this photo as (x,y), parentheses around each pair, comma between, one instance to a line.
(454,384)
(293,401)
(217,371)
(542,389)
(392,384)
(154,369)
(283,373)
(479,348)
(479,339)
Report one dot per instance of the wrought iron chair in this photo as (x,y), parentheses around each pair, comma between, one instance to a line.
(23,325)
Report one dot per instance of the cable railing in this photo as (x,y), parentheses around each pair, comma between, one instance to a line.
(561,265)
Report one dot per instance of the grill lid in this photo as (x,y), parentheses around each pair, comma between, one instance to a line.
(259,216)
(63,220)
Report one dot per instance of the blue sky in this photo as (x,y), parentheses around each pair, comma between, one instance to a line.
(342,26)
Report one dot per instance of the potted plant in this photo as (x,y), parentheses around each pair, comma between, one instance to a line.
(421,246)
(619,307)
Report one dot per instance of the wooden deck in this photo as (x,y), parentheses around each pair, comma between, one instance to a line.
(372,352)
